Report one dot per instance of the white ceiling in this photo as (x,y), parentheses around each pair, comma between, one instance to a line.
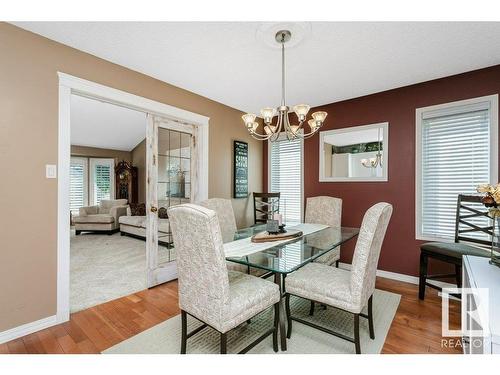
(104,125)
(238,64)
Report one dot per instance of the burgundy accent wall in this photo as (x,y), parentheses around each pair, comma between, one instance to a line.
(400,251)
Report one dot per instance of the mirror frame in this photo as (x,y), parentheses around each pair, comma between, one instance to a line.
(385,154)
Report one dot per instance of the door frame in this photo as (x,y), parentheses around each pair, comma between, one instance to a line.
(69,85)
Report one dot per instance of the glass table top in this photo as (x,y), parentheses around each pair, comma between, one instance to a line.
(288,257)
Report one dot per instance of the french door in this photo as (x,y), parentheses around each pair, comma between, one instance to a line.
(171,179)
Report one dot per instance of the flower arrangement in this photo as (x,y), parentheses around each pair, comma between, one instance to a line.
(492,195)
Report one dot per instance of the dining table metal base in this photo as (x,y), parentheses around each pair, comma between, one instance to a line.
(279,279)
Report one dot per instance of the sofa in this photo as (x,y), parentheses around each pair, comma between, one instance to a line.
(103,218)
(134,225)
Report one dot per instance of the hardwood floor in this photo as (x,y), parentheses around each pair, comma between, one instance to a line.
(416,327)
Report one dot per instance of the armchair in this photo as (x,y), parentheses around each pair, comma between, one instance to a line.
(101,218)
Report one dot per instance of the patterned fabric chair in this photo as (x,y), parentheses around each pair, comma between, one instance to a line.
(207,291)
(346,290)
(225,214)
(327,211)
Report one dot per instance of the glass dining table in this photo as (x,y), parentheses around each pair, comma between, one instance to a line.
(284,258)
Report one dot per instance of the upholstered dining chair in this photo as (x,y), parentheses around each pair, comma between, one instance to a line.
(346,290)
(328,211)
(225,214)
(208,292)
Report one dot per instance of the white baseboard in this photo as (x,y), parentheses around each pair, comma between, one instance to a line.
(26,329)
(402,277)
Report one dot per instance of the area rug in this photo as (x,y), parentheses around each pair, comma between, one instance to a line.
(164,338)
(105,267)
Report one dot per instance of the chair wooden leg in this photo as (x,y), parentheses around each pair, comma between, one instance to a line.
(276,326)
(458,275)
(356,334)
(311,309)
(423,276)
(337,263)
(288,316)
(223,343)
(370,317)
(184,332)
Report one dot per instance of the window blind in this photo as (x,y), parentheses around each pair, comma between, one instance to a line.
(102,182)
(455,159)
(286,177)
(77,184)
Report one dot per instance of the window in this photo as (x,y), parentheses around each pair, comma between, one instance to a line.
(285,175)
(78,192)
(456,151)
(102,184)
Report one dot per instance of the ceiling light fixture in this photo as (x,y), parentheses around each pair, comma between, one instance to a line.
(272,131)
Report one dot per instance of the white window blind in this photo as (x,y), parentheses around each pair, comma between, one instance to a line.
(102,180)
(78,195)
(286,176)
(455,158)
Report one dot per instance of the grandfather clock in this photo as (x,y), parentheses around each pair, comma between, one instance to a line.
(126,182)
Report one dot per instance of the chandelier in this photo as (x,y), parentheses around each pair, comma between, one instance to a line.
(272,131)
(377,160)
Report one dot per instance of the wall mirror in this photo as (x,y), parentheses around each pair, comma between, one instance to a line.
(358,153)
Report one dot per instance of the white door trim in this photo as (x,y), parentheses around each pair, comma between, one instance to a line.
(73,85)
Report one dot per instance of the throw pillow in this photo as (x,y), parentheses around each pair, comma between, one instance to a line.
(138,209)
(162,213)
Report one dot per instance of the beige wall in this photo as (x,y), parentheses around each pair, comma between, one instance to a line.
(139,161)
(94,152)
(29,106)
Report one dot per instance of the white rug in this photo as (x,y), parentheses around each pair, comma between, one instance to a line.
(104,268)
(164,338)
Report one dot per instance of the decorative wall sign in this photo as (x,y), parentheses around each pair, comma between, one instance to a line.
(240,169)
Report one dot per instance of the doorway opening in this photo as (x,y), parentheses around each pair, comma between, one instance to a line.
(103,184)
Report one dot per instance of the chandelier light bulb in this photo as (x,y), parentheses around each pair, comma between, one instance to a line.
(301,111)
(319,116)
(268,114)
(312,124)
(248,119)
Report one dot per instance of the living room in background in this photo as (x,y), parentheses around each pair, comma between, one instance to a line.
(456,150)
(103,264)
(286,175)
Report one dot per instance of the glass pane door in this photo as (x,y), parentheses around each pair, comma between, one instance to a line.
(169,152)
(174,175)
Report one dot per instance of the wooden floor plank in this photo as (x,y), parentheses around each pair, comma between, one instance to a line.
(416,327)
(17,346)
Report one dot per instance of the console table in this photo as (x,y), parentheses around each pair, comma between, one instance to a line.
(478,273)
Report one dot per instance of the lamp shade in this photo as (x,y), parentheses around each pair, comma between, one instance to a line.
(319,116)
(301,110)
(267,113)
(249,118)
